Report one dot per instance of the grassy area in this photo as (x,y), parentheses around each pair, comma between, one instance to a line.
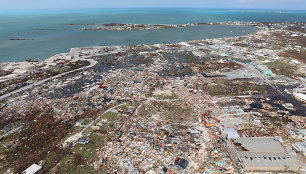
(62,69)
(121,107)
(13,153)
(110,116)
(89,150)
(87,121)
(83,152)
(77,162)
(10,153)
(69,166)
(52,158)
(3,150)
(282,68)
(49,160)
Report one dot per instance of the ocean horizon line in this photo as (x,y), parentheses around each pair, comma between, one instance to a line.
(150,8)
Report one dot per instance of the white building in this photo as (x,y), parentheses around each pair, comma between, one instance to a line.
(34,168)
(300,96)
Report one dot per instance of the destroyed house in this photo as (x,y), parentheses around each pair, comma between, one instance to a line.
(181,163)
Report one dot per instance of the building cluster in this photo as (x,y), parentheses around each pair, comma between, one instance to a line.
(144,146)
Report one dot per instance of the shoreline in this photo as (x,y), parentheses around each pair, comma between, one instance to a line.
(20,70)
(252,24)
(25,69)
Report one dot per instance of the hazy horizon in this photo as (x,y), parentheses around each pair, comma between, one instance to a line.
(120,4)
(123,8)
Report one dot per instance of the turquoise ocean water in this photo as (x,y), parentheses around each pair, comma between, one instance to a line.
(58,37)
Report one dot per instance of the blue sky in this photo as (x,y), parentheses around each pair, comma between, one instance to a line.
(77,4)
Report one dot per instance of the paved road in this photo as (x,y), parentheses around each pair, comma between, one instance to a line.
(10,132)
(91,61)
(301,109)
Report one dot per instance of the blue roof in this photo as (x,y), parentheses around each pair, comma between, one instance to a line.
(231,133)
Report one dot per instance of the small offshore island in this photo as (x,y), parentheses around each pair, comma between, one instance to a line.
(224,105)
(20,39)
(127,27)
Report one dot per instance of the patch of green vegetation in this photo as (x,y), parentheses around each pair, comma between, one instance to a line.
(13,153)
(3,150)
(282,68)
(69,166)
(121,107)
(110,116)
(49,160)
(80,169)
(52,158)
(62,69)
(89,150)
(76,162)
(87,121)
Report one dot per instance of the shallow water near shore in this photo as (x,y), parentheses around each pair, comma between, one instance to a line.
(52,36)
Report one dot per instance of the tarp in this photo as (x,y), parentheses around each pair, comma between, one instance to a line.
(231,133)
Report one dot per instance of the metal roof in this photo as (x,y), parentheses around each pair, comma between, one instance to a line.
(265,153)
(261,144)
(265,159)
(32,169)
(300,95)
